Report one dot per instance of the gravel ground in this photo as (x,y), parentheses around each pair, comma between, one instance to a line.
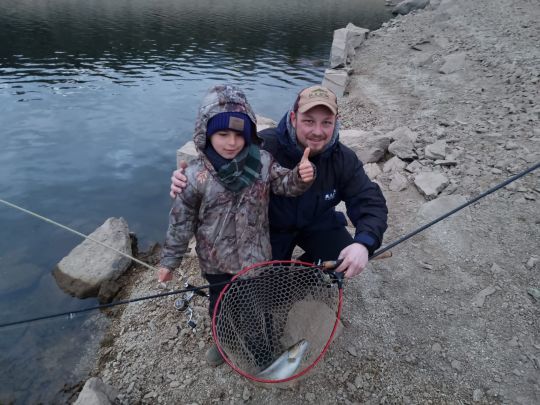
(451,317)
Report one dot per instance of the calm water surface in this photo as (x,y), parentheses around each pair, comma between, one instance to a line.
(95,97)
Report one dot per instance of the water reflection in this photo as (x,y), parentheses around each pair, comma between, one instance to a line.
(95,97)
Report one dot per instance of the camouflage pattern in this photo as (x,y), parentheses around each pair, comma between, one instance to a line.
(222,98)
(231,229)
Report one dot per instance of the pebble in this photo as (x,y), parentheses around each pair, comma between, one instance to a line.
(358,381)
(151,394)
(310,397)
(513,342)
(477,395)
(480,298)
(532,262)
(246,394)
(534,292)
(436,347)
(351,387)
(456,365)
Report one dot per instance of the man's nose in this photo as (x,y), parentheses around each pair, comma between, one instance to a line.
(318,130)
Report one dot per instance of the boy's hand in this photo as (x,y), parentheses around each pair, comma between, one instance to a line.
(305,168)
(164,274)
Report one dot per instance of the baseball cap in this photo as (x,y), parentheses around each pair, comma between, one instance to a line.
(314,96)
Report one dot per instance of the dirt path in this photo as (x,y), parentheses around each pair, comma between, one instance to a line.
(450,317)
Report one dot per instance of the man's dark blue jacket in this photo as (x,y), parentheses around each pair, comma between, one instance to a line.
(340,177)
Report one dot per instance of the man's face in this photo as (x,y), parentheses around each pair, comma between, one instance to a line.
(314,128)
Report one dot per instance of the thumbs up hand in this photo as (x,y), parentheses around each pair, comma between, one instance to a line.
(305,167)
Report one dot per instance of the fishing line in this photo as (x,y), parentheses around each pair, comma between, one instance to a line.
(67,228)
(70,314)
(123,302)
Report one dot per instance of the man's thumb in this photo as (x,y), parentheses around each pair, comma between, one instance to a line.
(305,156)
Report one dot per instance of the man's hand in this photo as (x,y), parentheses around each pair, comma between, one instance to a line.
(355,259)
(305,168)
(178,180)
(164,275)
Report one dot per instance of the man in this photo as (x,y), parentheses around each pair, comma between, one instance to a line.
(310,220)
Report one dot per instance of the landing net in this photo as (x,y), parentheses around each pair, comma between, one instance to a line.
(273,307)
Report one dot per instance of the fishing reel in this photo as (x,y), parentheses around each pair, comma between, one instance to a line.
(183,304)
(334,277)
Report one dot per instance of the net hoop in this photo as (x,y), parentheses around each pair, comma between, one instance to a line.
(306,369)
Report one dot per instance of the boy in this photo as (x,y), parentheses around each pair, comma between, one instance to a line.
(225,203)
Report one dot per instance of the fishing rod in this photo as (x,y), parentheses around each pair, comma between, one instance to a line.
(325,265)
(328,265)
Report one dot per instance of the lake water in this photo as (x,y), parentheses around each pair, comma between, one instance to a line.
(95,97)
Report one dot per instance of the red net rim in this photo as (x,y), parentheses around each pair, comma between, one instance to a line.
(306,369)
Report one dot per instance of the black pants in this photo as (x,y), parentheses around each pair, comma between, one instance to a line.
(324,245)
(258,338)
(215,291)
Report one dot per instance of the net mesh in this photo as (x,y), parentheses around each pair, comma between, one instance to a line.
(271,308)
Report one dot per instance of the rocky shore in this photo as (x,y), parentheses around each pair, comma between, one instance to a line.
(441,104)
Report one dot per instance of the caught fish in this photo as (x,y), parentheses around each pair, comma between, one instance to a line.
(286,364)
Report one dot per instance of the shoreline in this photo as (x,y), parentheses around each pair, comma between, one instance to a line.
(448,318)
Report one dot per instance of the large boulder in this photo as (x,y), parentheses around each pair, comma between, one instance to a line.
(96,392)
(339,49)
(344,43)
(335,80)
(430,184)
(369,147)
(403,148)
(405,7)
(90,265)
(437,150)
(357,35)
(264,123)
(186,153)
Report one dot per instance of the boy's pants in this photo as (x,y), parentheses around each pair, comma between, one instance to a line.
(258,339)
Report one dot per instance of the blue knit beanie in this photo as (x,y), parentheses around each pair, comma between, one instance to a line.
(236,121)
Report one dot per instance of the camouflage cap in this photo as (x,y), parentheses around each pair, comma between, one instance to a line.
(314,96)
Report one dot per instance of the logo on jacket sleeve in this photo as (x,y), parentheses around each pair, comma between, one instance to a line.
(330,195)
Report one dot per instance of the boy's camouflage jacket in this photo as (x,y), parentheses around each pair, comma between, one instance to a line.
(231,229)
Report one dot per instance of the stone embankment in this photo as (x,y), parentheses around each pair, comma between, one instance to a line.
(440,104)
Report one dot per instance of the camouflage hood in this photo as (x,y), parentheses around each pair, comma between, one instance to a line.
(222,98)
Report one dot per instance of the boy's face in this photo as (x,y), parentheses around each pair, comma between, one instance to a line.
(314,128)
(227,143)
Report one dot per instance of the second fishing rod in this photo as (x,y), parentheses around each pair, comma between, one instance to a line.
(383,252)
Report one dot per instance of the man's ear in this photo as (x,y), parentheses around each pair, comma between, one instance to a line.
(293,119)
